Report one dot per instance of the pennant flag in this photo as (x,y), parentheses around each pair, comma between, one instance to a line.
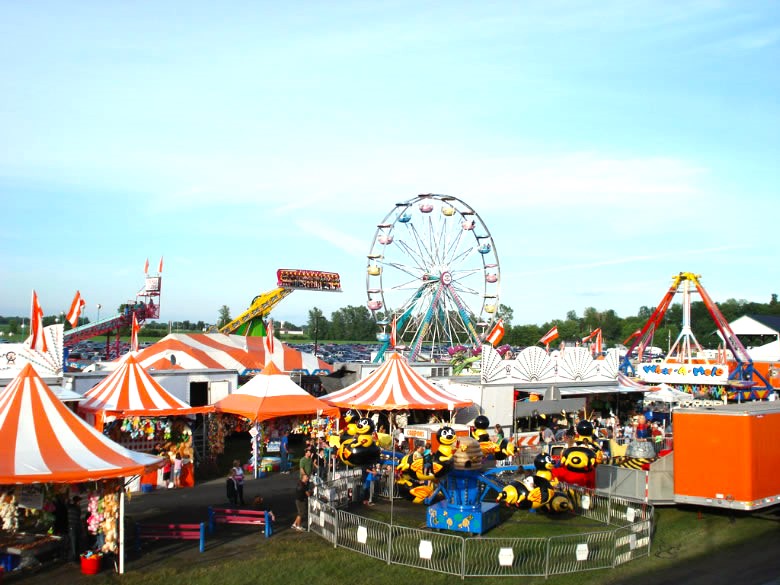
(550,335)
(37,338)
(630,337)
(394,332)
(594,333)
(496,334)
(268,342)
(159,269)
(146,267)
(134,334)
(76,307)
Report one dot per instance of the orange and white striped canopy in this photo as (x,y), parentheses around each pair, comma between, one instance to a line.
(228,352)
(131,391)
(271,394)
(43,441)
(394,385)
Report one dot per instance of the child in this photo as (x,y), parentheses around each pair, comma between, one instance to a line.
(232,489)
(177,471)
(428,459)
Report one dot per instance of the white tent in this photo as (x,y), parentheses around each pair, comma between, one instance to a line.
(665,393)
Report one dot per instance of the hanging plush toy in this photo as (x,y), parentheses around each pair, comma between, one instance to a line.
(9,513)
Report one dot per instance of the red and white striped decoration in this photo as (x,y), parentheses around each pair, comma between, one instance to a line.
(131,391)
(394,385)
(45,442)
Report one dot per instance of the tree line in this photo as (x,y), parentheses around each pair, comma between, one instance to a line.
(355,323)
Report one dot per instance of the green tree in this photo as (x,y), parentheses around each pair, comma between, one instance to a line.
(507,314)
(223,317)
(317,327)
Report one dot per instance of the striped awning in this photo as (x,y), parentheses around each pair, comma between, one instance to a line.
(45,442)
(226,352)
(131,391)
(272,394)
(393,386)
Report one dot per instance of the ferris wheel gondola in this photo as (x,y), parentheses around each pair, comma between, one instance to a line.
(433,276)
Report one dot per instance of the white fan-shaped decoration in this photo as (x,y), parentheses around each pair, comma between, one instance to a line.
(534,365)
(49,363)
(610,365)
(577,364)
(494,367)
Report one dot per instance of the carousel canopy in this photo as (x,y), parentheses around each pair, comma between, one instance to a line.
(394,385)
(227,352)
(271,394)
(131,391)
(45,442)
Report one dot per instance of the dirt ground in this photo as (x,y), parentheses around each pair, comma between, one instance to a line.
(752,564)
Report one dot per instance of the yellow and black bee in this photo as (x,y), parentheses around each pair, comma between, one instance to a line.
(513,494)
(447,439)
(543,465)
(504,449)
(540,492)
(578,459)
(479,431)
(360,449)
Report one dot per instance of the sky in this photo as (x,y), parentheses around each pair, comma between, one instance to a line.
(606,145)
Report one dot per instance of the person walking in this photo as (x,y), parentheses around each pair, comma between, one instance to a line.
(74,529)
(302,493)
(238,476)
(231,489)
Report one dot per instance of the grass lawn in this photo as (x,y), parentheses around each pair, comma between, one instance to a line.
(682,537)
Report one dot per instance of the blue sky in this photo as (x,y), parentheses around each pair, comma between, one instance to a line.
(606,145)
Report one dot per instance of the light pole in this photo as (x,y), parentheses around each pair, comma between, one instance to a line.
(316,332)
(98,309)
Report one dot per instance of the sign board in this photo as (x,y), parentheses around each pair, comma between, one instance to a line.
(273,446)
(671,373)
(506,557)
(362,534)
(582,551)
(426,549)
(30,496)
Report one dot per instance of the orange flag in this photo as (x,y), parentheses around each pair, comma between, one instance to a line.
(496,334)
(550,335)
(146,267)
(37,338)
(76,307)
(134,334)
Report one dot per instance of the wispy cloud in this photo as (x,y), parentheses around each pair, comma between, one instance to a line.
(342,240)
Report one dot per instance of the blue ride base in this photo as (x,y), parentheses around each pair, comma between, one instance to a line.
(463,510)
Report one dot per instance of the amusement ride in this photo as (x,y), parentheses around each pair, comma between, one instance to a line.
(432,277)
(687,366)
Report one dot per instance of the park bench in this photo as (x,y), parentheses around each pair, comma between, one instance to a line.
(172,532)
(237,516)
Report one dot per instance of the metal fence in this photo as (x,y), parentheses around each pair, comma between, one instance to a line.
(626,536)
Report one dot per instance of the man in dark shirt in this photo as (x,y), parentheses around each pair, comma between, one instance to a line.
(302,493)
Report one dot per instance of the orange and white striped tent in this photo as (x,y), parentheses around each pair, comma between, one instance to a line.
(271,394)
(45,442)
(131,391)
(226,352)
(394,385)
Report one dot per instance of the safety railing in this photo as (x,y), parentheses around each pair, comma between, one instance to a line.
(626,536)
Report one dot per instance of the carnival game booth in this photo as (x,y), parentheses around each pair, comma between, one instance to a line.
(268,396)
(51,454)
(138,413)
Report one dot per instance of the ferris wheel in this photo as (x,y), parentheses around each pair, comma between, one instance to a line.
(433,277)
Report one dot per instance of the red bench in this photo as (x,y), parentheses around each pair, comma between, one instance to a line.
(262,518)
(172,532)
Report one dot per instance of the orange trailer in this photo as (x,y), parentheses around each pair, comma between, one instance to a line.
(728,456)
